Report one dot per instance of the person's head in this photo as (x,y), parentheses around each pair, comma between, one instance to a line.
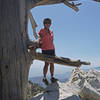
(47,22)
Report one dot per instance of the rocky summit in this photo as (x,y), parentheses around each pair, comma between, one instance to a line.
(80,86)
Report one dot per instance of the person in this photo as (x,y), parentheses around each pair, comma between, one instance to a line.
(47,46)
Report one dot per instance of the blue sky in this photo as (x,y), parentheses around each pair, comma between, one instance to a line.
(76,34)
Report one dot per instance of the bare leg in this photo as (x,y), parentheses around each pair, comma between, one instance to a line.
(45,69)
(53,79)
(52,69)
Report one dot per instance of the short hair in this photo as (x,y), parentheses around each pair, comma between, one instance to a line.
(46,21)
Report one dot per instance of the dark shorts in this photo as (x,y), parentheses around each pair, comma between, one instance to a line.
(49,52)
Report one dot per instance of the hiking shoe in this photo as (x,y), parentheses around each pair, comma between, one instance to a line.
(53,79)
(45,81)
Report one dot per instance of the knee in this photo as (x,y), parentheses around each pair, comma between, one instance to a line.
(46,64)
(51,64)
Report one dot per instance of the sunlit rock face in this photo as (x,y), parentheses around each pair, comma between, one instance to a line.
(87,83)
(80,86)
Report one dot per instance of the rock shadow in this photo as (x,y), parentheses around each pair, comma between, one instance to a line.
(73,97)
(51,93)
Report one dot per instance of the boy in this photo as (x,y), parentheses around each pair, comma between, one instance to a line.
(47,46)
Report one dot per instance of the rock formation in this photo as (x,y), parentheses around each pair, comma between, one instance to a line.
(80,86)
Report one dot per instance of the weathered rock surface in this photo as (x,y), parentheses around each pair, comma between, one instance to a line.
(87,83)
(81,86)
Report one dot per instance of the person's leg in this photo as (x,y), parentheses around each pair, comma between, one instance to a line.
(45,69)
(52,69)
(53,79)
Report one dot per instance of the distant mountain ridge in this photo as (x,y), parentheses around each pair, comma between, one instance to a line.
(62,77)
(97,68)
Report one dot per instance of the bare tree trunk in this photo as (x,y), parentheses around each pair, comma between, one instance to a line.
(14,65)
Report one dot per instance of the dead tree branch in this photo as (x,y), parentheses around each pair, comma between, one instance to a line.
(60,60)
(34,3)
